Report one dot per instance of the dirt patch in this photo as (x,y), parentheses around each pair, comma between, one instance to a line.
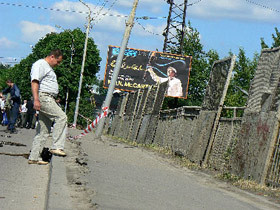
(76,169)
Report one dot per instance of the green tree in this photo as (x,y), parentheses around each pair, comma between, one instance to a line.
(263,44)
(68,75)
(200,70)
(102,91)
(243,73)
(275,38)
(4,75)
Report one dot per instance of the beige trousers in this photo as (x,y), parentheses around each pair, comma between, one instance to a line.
(49,112)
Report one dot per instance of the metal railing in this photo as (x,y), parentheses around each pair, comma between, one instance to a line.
(234,113)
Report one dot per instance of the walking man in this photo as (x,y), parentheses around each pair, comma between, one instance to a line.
(44,89)
(15,99)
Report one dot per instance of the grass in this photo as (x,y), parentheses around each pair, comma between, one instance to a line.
(250,185)
(253,186)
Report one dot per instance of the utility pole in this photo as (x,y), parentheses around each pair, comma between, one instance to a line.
(107,102)
(176,21)
(71,61)
(83,66)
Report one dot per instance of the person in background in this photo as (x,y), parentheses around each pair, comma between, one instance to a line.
(35,120)
(19,119)
(58,101)
(15,99)
(30,113)
(1,108)
(3,112)
(23,114)
(7,109)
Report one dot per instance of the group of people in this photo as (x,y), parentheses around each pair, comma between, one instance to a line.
(13,112)
(44,89)
(28,115)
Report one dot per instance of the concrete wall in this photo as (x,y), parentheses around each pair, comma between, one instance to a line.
(139,120)
(224,143)
(252,148)
(245,146)
(259,128)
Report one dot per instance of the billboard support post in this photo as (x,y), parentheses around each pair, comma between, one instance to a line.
(107,102)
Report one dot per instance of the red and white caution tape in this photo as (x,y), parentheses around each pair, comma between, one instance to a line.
(93,124)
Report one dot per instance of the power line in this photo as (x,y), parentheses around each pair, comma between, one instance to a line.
(73,11)
(111,6)
(191,4)
(99,11)
(145,29)
(249,1)
(263,6)
(96,4)
(45,8)
(146,18)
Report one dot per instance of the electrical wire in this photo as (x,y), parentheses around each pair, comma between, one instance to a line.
(145,29)
(263,6)
(191,4)
(111,6)
(98,13)
(45,8)
(73,11)
(96,4)
(101,8)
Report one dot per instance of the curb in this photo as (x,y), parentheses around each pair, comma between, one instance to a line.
(58,189)
(46,206)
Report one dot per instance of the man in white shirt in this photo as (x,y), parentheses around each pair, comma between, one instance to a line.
(23,113)
(44,89)
(2,104)
(174,85)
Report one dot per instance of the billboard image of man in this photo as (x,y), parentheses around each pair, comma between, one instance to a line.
(174,87)
(141,69)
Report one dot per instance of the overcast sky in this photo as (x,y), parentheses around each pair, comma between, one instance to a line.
(224,25)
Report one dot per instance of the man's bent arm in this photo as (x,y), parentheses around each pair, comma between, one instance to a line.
(35,93)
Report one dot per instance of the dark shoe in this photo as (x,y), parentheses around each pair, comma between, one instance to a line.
(58,152)
(13,131)
(38,162)
(46,155)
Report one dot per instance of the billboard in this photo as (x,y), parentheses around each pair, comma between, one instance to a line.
(141,69)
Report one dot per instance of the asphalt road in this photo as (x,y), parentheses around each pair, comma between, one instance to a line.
(22,186)
(109,176)
(125,177)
